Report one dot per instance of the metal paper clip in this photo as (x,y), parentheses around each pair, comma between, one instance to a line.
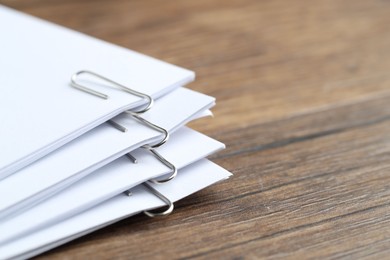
(81,87)
(145,122)
(153,126)
(163,198)
(164,161)
(134,114)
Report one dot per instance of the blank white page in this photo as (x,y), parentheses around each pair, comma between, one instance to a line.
(39,110)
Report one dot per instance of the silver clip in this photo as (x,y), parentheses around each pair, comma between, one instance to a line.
(134,114)
(145,122)
(81,87)
(153,126)
(104,96)
(164,161)
(163,198)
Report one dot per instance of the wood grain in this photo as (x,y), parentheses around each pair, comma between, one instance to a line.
(303,105)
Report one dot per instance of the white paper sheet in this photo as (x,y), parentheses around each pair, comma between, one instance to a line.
(39,110)
(190,179)
(95,149)
(185,147)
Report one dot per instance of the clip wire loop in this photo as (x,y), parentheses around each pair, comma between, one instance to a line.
(145,123)
(153,126)
(134,114)
(81,87)
(169,203)
(164,161)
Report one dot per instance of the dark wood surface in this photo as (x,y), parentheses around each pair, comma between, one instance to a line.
(303,105)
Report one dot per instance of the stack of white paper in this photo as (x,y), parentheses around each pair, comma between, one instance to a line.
(64,171)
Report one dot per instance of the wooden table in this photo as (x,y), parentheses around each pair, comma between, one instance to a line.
(303,105)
